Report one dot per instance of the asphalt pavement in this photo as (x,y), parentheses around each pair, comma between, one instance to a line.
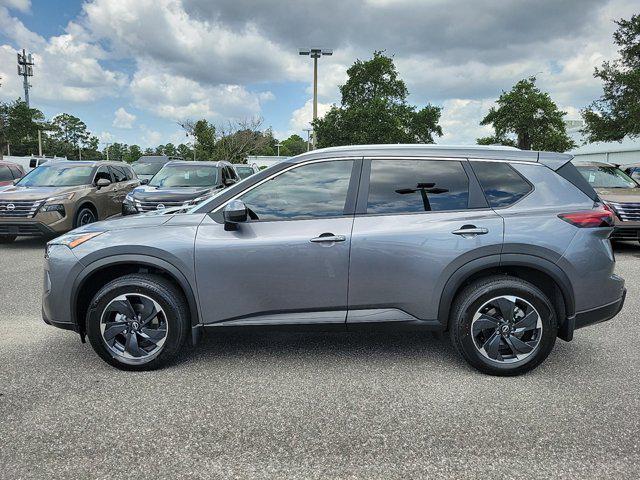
(306,406)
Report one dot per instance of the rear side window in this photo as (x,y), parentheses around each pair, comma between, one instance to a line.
(502,185)
(119,174)
(413,186)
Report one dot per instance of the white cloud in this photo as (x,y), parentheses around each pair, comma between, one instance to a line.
(123,119)
(178,98)
(301,117)
(460,121)
(22,5)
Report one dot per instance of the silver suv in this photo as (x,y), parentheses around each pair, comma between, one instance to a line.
(504,249)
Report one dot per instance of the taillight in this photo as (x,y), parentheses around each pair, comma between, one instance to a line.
(602,217)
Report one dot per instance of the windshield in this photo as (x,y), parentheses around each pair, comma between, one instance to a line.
(244,172)
(185,176)
(606,177)
(58,176)
(147,168)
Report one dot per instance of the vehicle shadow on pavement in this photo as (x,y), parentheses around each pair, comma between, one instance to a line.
(26,243)
(403,346)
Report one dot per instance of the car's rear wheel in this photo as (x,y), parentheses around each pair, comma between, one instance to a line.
(503,325)
(85,216)
(7,238)
(138,322)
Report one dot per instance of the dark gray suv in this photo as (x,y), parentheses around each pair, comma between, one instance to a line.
(505,249)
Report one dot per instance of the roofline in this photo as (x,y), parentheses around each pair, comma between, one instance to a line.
(552,160)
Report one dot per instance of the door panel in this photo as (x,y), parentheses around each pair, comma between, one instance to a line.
(403,261)
(270,269)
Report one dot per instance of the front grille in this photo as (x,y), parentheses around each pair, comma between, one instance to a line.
(19,208)
(153,206)
(628,212)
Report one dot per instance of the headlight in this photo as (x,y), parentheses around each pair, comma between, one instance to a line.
(129,198)
(73,240)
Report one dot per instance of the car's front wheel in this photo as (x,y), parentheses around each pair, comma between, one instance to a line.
(503,325)
(85,216)
(138,322)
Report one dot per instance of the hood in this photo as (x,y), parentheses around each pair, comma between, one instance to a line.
(147,193)
(36,193)
(619,195)
(153,219)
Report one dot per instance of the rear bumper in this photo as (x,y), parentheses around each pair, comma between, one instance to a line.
(600,314)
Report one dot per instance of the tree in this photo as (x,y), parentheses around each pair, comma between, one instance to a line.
(294,145)
(616,113)
(19,126)
(531,116)
(237,140)
(70,135)
(204,135)
(133,154)
(374,109)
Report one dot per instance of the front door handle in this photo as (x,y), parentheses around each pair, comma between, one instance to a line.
(470,231)
(328,238)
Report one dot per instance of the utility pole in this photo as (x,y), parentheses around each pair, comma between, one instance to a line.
(278,145)
(315,53)
(25,70)
(39,142)
(308,130)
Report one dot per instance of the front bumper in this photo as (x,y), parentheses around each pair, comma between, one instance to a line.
(25,228)
(61,268)
(43,224)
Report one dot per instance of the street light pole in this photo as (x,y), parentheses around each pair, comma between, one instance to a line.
(315,53)
(278,145)
(308,130)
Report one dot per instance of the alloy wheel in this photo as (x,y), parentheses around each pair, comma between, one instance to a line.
(506,329)
(134,327)
(86,218)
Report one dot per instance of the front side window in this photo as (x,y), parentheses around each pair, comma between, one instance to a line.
(186,176)
(59,176)
(605,176)
(412,186)
(103,173)
(5,174)
(315,190)
(502,185)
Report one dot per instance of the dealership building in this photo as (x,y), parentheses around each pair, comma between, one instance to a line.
(622,153)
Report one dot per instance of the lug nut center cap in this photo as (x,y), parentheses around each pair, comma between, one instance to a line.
(505,329)
(135,325)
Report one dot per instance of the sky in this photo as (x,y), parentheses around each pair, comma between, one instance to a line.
(133,69)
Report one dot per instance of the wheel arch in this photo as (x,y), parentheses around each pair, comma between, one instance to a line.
(86,203)
(100,272)
(541,272)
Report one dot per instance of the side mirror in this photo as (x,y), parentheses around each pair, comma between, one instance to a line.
(229,181)
(16,180)
(235,212)
(103,182)
(144,181)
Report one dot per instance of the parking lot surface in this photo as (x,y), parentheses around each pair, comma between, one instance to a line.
(288,405)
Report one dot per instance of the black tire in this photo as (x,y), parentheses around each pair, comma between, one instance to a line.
(474,297)
(84,216)
(7,238)
(160,290)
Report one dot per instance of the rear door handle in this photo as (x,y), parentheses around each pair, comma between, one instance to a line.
(328,238)
(471,231)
